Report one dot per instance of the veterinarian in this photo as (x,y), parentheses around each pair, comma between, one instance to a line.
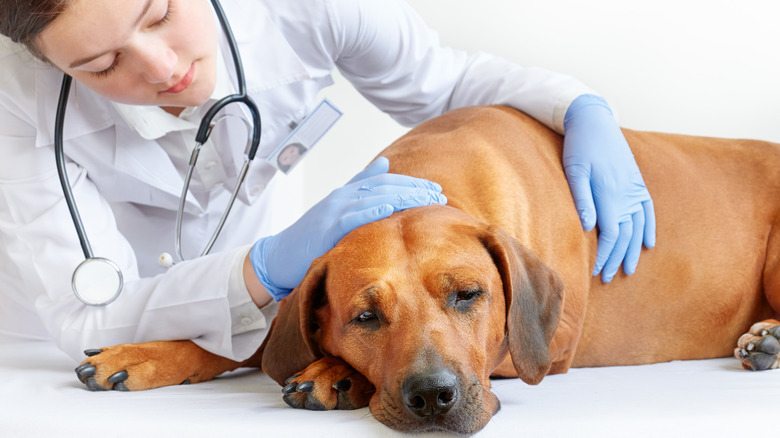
(145,72)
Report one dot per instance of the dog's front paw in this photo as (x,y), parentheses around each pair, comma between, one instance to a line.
(329,383)
(86,372)
(135,367)
(759,349)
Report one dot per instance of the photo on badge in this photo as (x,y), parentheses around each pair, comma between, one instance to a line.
(290,152)
(289,156)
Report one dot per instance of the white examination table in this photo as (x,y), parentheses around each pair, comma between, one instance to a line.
(40,396)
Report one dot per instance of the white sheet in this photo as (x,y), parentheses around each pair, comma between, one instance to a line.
(41,397)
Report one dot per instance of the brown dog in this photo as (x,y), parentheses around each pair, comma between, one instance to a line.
(413,314)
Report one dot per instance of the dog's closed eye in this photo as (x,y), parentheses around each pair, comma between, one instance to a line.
(462,300)
(367,319)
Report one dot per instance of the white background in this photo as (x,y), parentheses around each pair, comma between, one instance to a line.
(702,67)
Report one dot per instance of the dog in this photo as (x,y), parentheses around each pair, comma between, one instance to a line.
(412,315)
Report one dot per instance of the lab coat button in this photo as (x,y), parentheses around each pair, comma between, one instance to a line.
(255,190)
(210,165)
(247,320)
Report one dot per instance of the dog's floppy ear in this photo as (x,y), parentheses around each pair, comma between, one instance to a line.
(534,295)
(293,342)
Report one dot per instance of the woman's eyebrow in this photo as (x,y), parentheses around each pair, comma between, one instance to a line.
(87,59)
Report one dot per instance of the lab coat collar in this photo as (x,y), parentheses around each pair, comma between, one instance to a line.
(147,162)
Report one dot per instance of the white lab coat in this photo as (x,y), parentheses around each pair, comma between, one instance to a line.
(127,187)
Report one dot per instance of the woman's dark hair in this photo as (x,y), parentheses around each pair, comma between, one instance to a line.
(23,20)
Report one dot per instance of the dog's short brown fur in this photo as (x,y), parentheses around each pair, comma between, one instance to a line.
(412,314)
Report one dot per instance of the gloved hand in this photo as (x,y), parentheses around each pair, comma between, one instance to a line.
(607,186)
(281,261)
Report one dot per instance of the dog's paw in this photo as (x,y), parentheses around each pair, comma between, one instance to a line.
(326,384)
(759,349)
(135,367)
(87,372)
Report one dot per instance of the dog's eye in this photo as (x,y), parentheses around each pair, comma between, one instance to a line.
(365,317)
(367,320)
(463,299)
(466,295)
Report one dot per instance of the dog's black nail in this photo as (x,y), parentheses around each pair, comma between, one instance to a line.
(120,386)
(118,377)
(306,386)
(186,382)
(291,378)
(85,371)
(93,352)
(289,388)
(343,385)
(775,331)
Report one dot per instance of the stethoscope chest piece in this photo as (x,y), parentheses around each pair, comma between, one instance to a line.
(97,281)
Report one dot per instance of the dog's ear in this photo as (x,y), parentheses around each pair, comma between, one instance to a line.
(534,295)
(293,341)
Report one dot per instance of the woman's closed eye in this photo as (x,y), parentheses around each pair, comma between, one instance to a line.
(107,71)
(166,17)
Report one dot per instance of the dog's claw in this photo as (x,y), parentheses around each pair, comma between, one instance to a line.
(93,352)
(343,385)
(120,386)
(121,376)
(291,378)
(306,386)
(85,371)
(290,388)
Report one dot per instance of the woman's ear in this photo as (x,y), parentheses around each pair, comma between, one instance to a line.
(534,297)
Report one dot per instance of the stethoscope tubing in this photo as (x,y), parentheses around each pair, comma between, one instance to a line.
(59,123)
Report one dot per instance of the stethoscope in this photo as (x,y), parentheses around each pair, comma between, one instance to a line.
(98,281)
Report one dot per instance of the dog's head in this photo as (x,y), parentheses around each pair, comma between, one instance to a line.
(425,304)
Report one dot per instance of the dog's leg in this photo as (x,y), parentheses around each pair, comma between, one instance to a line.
(328,383)
(759,348)
(135,367)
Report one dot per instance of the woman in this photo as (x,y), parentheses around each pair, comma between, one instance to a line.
(145,73)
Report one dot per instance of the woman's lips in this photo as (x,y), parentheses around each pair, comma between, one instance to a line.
(183,83)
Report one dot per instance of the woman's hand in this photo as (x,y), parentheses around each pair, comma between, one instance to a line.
(607,186)
(281,261)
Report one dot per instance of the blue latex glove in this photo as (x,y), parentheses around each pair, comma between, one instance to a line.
(607,186)
(281,261)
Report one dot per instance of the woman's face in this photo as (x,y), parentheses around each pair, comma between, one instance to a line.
(143,52)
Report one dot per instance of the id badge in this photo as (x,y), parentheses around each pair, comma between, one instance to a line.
(292,150)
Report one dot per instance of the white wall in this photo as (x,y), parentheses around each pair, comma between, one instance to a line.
(703,67)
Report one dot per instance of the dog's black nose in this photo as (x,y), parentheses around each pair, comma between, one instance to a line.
(431,394)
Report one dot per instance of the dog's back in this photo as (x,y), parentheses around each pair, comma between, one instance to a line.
(711,275)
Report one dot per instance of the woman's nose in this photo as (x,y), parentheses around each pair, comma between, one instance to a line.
(157,63)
